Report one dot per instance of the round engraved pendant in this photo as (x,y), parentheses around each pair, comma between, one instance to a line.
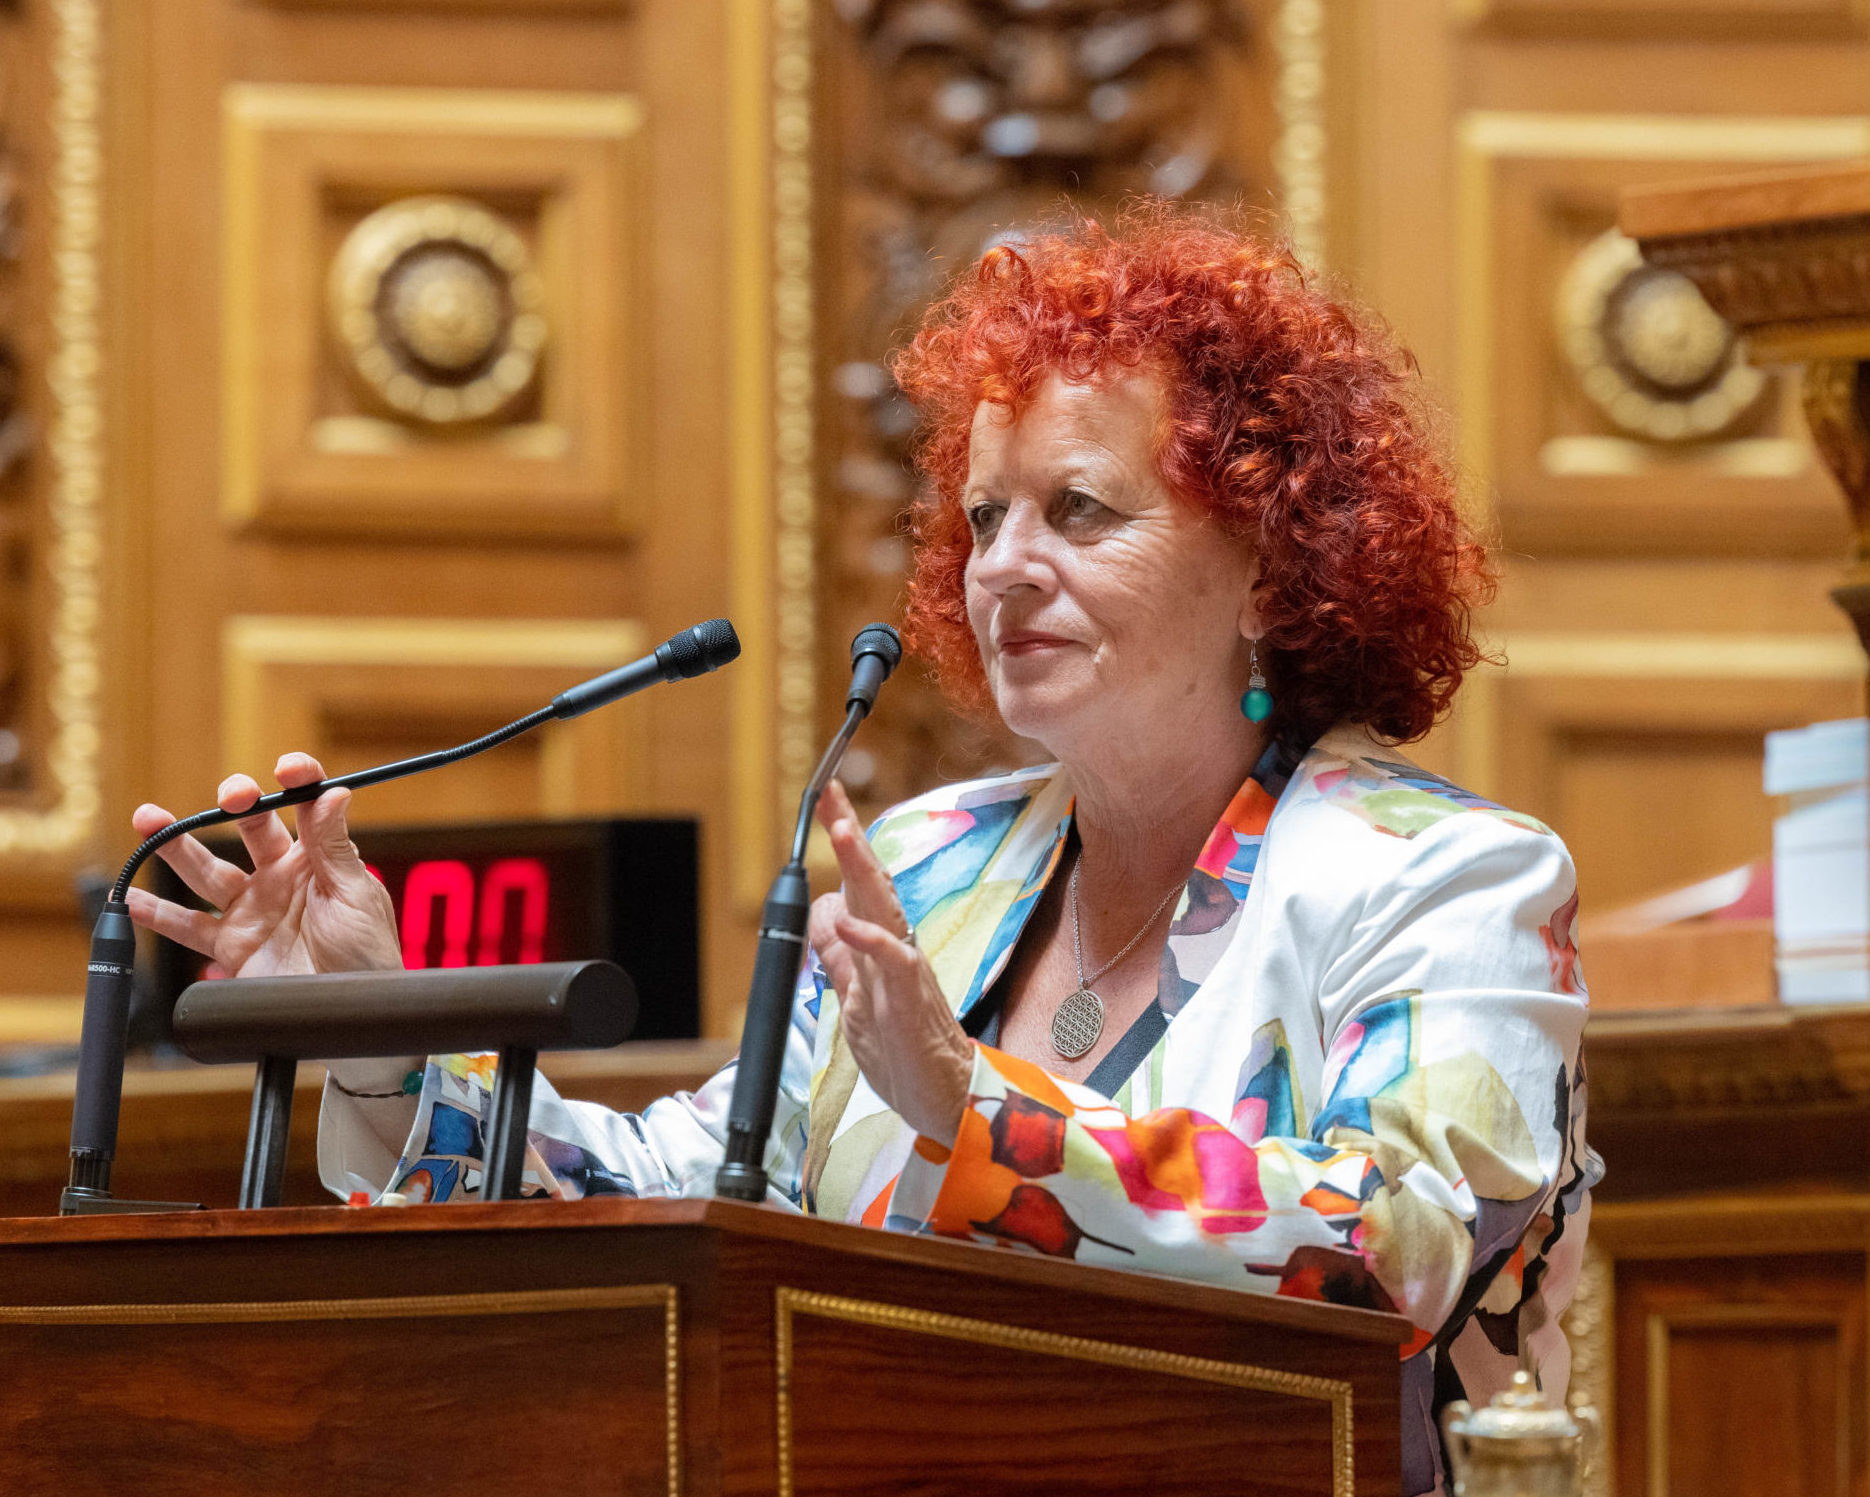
(1076,1024)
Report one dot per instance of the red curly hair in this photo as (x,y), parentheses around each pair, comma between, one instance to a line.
(1291,419)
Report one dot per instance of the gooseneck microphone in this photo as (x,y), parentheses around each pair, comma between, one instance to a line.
(875,653)
(99,1094)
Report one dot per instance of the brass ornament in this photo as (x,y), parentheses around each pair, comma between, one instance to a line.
(438,305)
(1647,348)
(1521,1444)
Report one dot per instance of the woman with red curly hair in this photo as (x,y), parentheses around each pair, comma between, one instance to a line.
(1230,989)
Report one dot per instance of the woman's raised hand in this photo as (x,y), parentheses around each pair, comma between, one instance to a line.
(309,905)
(894,1017)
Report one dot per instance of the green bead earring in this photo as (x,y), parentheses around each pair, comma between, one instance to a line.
(1257,703)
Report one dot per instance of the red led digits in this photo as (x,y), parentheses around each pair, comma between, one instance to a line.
(452,886)
(526,878)
(448,883)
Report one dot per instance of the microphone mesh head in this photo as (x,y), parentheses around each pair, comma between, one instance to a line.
(879,640)
(708,646)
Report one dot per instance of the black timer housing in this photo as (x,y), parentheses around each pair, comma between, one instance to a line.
(624,889)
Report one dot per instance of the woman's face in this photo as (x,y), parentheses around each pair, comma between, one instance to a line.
(1102,606)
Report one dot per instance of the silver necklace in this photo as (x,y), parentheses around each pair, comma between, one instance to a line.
(1079,1020)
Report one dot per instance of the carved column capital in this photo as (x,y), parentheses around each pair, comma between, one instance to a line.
(1836,397)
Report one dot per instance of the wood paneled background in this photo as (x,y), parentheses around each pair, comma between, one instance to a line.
(653,255)
(369,369)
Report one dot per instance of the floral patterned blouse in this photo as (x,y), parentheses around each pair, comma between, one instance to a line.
(1361,1080)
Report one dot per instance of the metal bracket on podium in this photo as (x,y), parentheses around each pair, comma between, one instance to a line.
(518,1011)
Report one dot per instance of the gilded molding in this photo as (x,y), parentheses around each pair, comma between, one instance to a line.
(75,440)
(790,1303)
(793,375)
(438,302)
(1589,1324)
(1299,99)
(406,1307)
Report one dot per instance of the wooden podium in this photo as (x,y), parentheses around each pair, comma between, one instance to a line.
(621,1346)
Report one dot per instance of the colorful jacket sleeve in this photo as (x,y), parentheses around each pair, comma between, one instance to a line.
(1426,1170)
(672,1147)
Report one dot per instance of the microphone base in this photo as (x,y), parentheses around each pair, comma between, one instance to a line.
(740,1182)
(76,1200)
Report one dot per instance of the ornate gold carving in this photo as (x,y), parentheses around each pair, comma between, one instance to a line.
(435,304)
(1695,1062)
(1756,277)
(406,1307)
(1299,96)
(1836,397)
(75,441)
(795,1302)
(439,307)
(1589,1326)
(1487,138)
(978,118)
(1648,350)
(794,375)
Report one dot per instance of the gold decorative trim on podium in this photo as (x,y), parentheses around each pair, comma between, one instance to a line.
(75,441)
(406,1307)
(795,1302)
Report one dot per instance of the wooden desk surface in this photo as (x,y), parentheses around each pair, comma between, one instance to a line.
(1787,1088)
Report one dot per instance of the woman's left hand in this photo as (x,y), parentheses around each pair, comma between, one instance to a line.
(894,1017)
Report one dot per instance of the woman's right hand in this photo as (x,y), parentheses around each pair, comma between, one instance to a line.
(310,904)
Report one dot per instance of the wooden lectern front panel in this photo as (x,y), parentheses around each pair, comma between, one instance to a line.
(352,1396)
(1032,1416)
(657,1346)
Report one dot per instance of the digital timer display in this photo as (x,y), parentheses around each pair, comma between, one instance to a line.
(496,894)
(447,921)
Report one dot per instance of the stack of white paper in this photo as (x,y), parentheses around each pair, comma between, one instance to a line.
(1821,861)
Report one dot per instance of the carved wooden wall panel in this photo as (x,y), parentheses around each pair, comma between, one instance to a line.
(217,157)
(1609,404)
(357,692)
(431,305)
(1648,493)
(949,123)
(1741,1376)
(52,425)
(1593,732)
